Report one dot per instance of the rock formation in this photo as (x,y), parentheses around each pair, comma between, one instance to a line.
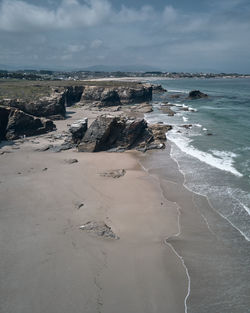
(78,130)
(52,106)
(115,96)
(197,94)
(121,133)
(158,88)
(15,123)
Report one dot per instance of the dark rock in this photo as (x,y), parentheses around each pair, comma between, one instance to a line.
(197,94)
(114,173)
(15,124)
(115,96)
(138,94)
(188,126)
(158,88)
(71,161)
(159,131)
(209,134)
(49,106)
(100,229)
(120,134)
(103,96)
(166,110)
(142,108)
(175,96)
(64,146)
(78,130)
(73,95)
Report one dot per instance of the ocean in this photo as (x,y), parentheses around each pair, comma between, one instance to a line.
(205,171)
(213,154)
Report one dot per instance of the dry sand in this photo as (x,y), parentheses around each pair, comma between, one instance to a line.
(48,264)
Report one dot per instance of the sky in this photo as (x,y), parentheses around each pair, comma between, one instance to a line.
(174,35)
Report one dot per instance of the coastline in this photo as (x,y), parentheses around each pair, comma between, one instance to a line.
(214,253)
(174,252)
(45,254)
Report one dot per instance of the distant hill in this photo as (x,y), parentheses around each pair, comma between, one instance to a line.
(121,68)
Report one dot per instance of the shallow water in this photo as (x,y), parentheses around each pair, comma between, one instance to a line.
(213,155)
(215,255)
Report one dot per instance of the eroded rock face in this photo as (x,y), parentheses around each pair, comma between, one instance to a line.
(197,94)
(101,96)
(52,106)
(16,123)
(158,88)
(73,95)
(121,133)
(78,130)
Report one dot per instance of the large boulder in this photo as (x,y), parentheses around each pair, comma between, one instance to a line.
(139,94)
(101,96)
(101,135)
(52,106)
(78,130)
(157,88)
(73,95)
(16,123)
(197,94)
(121,133)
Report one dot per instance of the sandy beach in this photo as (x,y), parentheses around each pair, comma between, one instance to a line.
(49,264)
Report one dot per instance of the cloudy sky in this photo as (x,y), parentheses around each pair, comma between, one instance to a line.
(174,35)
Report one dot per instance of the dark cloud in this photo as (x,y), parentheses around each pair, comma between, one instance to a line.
(75,34)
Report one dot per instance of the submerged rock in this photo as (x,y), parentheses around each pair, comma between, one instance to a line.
(197,94)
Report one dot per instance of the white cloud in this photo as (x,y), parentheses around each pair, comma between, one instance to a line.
(76,48)
(17,15)
(96,44)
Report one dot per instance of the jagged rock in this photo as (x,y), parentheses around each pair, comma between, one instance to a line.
(120,134)
(71,161)
(114,173)
(103,96)
(15,124)
(139,94)
(197,94)
(115,96)
(73,95)
(188,126)
(78,129)
(175,96)
(47,106)
(100,229)
(142,108)
(166,110)
(158,88)
(159,131)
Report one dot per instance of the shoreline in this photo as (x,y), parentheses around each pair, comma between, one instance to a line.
(57,260)
(213,251)
(175,252)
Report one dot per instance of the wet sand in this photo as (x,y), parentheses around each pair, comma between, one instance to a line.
(48,264)
(216,255)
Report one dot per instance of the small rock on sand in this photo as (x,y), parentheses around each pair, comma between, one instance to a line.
(100,229)
(70,161)
(114,174)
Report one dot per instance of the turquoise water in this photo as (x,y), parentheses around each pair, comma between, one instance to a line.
(214,154)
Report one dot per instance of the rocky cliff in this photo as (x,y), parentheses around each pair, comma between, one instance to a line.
(15,123)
